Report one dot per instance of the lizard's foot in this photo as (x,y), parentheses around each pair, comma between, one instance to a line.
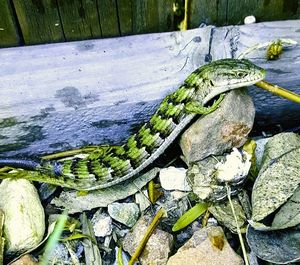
(196,108)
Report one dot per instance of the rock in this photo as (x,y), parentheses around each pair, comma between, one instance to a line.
(223,129)
(173,178)
(203,178)
(279,175)
(158,247)
(24,222)
(177,195)
(249,20)
(223,213)
(25,260)
(59,255)
(125,213)
(141,198)
(102,224)
(207,246)
(259,150)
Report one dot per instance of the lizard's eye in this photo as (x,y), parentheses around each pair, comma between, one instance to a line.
(240,74)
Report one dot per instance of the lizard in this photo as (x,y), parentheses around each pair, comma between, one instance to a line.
(111,165)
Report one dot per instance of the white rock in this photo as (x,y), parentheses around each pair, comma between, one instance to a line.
(102,224)
(249,20)
(141,198)
(24,221)
(236,166)
(177,195)
(173,178)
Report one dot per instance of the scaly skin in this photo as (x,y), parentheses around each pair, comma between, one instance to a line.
(108,166)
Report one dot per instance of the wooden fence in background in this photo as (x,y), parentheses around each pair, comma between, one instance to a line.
(25,22)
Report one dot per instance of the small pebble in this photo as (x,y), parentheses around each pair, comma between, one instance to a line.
(102,224)
(249,20)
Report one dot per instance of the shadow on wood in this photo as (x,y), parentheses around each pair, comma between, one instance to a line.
(63,96)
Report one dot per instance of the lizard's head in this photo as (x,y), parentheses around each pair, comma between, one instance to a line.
(226,74)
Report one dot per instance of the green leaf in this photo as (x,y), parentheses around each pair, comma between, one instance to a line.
(190,216)
(77,236)
(120,258)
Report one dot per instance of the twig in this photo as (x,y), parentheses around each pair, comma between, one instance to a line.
(147,235)
(282,92)
(237,225)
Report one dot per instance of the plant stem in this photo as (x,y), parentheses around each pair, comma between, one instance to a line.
(282,92)
(147,235)
(237,226)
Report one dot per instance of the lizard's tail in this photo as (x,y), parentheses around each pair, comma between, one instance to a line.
(20,163)
(27,164)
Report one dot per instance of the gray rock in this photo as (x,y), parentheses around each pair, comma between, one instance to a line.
(279,247)
(207,246)
(158,247)
(59,255)
(125,213)
(141,198)
(259,150)
(223,213)
(102,224)
(279,175)
(225,128)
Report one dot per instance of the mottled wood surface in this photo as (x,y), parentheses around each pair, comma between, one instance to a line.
(62,96)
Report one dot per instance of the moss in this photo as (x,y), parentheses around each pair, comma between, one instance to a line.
(8,122)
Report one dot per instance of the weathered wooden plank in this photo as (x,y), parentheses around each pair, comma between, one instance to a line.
(165,15)
(71,94)
(80,19)
(8,31)
(62,96)
(152,16)
(233,12)
(108,18)
(236,11)
(39,21)
(267,10)
(124,8)
(204,11)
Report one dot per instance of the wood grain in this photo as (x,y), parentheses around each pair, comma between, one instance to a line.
(80,19)
(39,21)
(9,35)
(233,12)
(62,96)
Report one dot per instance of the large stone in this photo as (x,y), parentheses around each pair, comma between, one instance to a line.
(158,247)
(24,217)
(207,246)
(221,130)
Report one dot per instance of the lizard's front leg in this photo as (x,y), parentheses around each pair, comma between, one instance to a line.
(197,108)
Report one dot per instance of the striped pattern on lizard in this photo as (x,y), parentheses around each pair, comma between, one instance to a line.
(110,165)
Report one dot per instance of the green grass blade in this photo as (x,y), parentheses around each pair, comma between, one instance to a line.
(190,216)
